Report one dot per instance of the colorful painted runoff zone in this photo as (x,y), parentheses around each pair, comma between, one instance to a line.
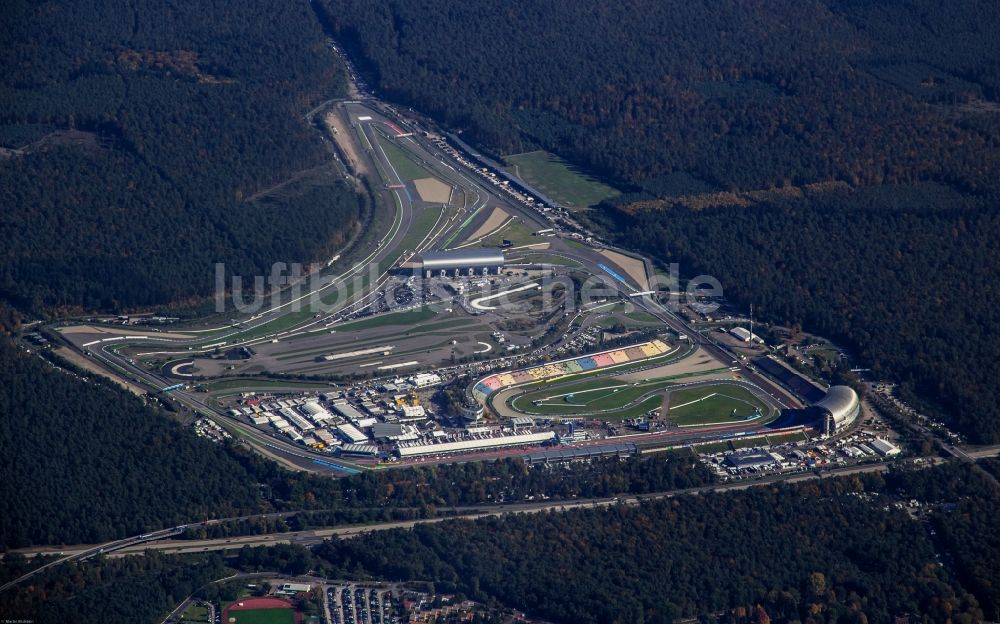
(615,357)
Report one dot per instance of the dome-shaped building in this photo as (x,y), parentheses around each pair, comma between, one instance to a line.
(839,407)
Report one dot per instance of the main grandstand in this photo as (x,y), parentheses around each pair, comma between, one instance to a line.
(475,442)
(461,261)
(838,408)
(492,383)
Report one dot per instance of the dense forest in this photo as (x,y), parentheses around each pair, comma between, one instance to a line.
(713,114)
(836,550)
(428,491)
(87,463)
(140,145)
(719,93)
(907,278)
(964,503)
(112,591)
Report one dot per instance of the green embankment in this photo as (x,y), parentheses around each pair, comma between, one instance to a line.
(558,179)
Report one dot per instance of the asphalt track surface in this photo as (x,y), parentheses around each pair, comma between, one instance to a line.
(477,196)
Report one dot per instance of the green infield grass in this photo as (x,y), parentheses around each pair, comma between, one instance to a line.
(597,397)
(544,258)
(406,167)
(719,403)
(195,613)
(518,234)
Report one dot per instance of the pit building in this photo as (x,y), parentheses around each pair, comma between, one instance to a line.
(461,262)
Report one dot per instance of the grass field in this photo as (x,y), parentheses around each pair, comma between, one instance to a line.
(558,179)
(262,384)
(729,445)
(399,326)
(407,169)
(784,438)
(263,616)
(395,318)
(720,403)
(642,317)
(517,233)
(421,227)
(544,258)
(588,397)
(195,613)
(616,320)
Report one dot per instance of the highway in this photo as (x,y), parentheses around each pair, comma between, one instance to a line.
(158,540)
(82,553)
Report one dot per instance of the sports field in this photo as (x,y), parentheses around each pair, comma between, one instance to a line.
(613,398)
(558,179)
(262,616)
(265,610)
(717,403)
(195,613)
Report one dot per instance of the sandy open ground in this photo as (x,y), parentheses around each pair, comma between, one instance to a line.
(498,216)
(87,364)
(697,362)
(433,190)
(342,135)
(119,331)
(633,267)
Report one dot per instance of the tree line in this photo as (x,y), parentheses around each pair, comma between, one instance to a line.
(732,96)
(833,550)
(906,278)
(145,142)
(838,550)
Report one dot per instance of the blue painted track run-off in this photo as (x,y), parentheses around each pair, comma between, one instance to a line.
(336,467)
(613,274)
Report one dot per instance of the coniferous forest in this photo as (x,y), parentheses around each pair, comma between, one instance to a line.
(838,550)
(905,277)
(833,550)
(143,144)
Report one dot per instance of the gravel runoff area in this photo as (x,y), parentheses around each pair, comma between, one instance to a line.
(498,216)
(342,133)
(432,190)
(698,362)
(633,267)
